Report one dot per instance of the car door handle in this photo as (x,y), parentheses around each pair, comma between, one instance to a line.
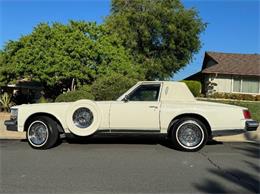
(153,107)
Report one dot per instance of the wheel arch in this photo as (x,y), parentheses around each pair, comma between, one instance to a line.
(192,115)
(38,114)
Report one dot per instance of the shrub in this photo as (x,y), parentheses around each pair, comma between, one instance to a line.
(42,100)
(111,87)
(257,98)
(234,96)
(72,96)
(194,86)
(248,97)
(6,102)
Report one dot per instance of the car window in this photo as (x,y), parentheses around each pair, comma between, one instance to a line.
(145,93)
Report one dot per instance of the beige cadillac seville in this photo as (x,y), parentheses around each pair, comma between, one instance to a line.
(163,107)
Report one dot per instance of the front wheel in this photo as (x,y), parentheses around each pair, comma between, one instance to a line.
(189,134)
(42,133)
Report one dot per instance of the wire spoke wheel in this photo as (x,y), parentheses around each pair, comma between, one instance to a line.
(38,133)
(190,134)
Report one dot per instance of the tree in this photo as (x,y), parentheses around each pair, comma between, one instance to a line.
(58,54)
(110,87)
(161,34)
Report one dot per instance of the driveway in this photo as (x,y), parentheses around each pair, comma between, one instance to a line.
(129,164)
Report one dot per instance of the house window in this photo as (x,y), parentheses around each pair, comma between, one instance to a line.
(246,84)
(250,85)
(237,84)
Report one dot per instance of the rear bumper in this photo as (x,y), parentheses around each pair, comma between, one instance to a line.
(11,125)
(249,126)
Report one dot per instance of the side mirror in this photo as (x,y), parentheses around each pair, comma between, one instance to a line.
(126,98)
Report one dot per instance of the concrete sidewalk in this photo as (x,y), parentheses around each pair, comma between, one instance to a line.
(246,137)
(12,135)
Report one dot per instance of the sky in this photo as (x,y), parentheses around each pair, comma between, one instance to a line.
(233,25)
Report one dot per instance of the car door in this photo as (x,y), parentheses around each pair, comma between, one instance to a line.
(139,111)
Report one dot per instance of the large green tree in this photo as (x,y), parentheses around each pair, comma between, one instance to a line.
(162,34)
(56,54)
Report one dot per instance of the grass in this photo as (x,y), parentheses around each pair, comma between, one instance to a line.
(254,107)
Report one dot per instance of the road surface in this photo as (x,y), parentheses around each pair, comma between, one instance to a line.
(129,164)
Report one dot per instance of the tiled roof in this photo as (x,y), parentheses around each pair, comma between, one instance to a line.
(229,63)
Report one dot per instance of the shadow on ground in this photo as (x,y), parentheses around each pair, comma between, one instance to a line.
(144,139)
(250,183)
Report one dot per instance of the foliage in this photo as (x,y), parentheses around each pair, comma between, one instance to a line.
(6,102)
(161,34)
(194,86)
(112,86)
(72,96)
(42,100)
(235,96)
(56,54)
(257,97)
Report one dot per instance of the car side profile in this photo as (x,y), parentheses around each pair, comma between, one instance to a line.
(163,107)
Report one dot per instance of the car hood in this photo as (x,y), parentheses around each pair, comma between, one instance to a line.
(41,105)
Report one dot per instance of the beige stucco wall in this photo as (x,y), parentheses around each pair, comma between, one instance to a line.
(223,83)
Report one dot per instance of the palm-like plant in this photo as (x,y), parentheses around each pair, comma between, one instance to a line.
(5,101)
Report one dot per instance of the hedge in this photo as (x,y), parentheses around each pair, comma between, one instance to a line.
(194,86)
(73,96)
(235,96)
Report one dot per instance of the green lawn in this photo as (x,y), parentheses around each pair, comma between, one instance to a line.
(254,107)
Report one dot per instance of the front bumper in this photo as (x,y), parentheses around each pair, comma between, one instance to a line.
(11,125)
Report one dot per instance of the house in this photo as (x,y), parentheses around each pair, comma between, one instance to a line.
(24,91)
(229,73)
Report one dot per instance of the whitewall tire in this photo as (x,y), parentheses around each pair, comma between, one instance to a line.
(83,117)
(189,134)
(42,132)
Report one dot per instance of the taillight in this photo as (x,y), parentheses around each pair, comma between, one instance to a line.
(247,114)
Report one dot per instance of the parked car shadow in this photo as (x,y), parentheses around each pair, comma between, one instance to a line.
(123,138)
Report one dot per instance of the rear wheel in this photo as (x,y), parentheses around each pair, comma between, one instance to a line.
(42,132)
(189,134)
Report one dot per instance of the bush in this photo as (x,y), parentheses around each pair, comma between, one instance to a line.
(42,100)
(73,96)
(257,98)
(234,96)
(6,102)
(111,87)
(194,86)
(248,97)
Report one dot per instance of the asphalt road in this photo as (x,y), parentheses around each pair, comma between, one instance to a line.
(129,164)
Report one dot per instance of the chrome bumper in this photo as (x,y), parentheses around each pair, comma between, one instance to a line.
(249,126)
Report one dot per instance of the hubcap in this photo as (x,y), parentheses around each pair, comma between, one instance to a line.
(190,134)
(82,117)
(38,133)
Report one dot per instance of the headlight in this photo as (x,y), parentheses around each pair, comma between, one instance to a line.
(82,117)
(14,113)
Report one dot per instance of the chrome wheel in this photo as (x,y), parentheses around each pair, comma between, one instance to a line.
(38,133)
(82,117)
(190,134)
